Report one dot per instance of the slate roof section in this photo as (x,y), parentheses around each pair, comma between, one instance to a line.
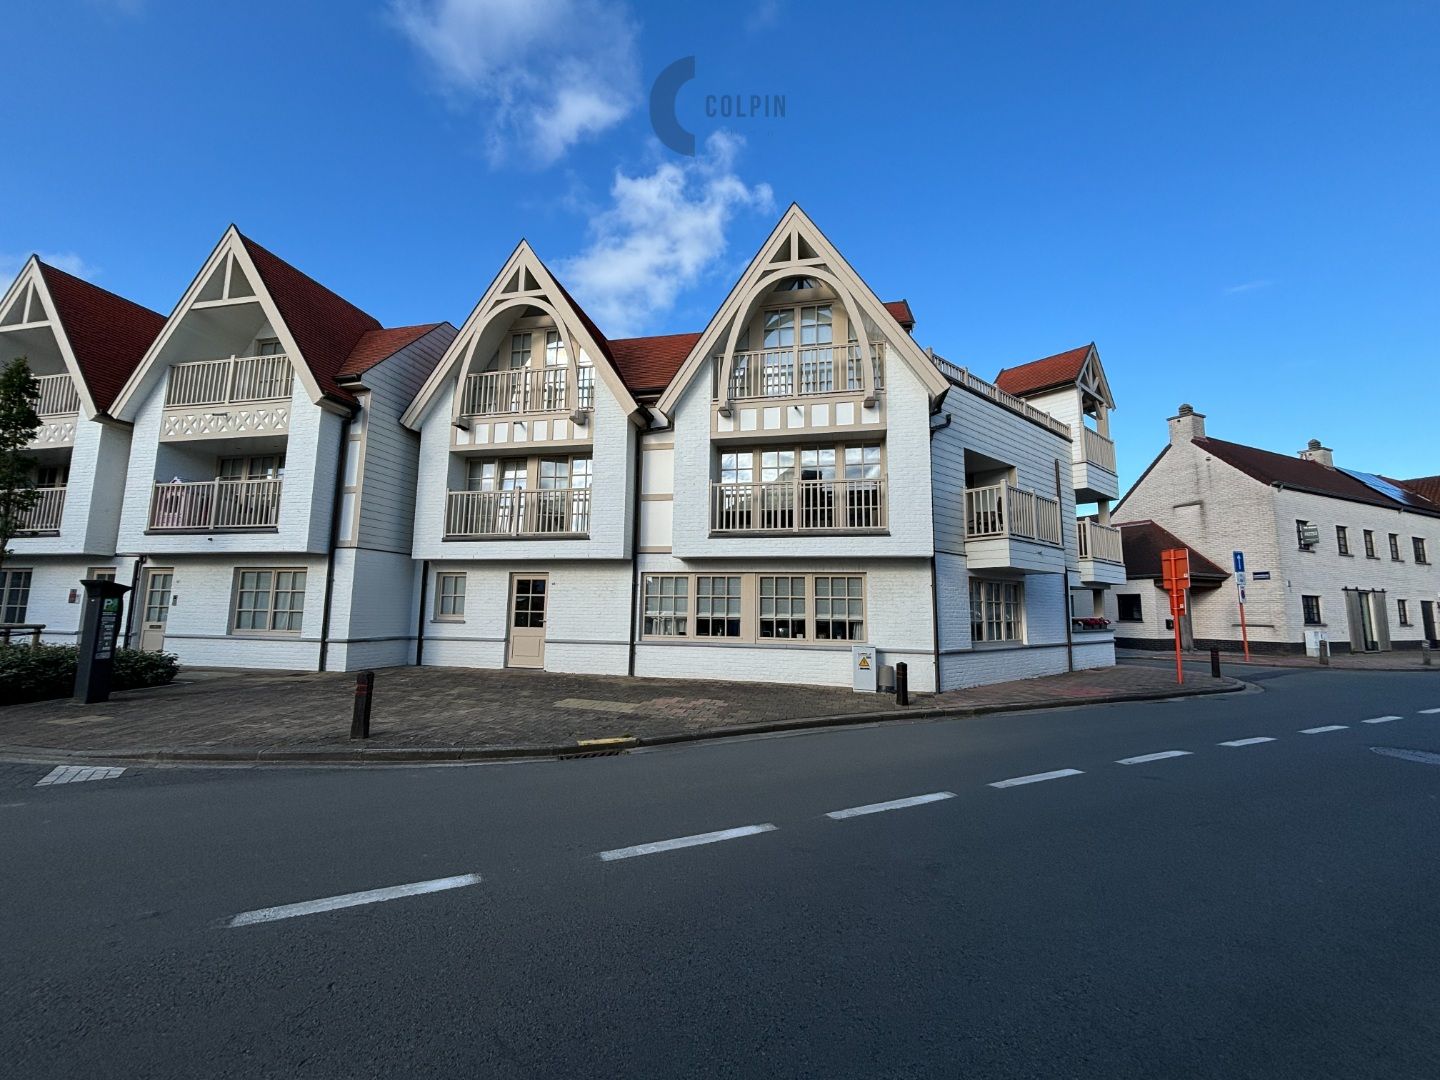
(326,326)
(376,346)
(1062,369)
(108,334)
(1302,475)
(1143,541)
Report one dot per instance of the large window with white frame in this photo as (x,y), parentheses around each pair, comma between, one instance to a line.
(269,600)
(997,611)
(14,595)
(450,597)
(754,608)
(839,486)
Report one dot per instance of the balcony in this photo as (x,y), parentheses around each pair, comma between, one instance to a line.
(798,506)
(43,519)
(1009,528)
(493,515)
(1102,562)
(523,392)
(215,506)
(803,372)
(1093,468)
(241,395)
(58,409)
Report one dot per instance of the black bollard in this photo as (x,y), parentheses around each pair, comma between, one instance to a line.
(364,692)
(1215,663)
(902,683)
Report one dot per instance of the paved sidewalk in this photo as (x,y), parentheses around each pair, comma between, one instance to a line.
(1397,660)
(460,712)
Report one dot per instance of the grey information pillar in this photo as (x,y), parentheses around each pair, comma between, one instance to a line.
(99,631)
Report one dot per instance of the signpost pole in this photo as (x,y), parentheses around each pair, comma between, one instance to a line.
(1240,596)
(1175,571)
(1244,633)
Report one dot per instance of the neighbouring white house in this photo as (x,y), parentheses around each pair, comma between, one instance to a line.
(753,500)
(269,491)
(1327,550)
(81,343)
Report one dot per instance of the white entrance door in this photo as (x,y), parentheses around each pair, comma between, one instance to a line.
(156,608)
(529,597)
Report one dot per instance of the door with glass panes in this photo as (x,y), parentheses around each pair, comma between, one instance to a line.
(529,604)
(155,607)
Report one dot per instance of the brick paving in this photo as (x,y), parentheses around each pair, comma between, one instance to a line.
(432,708)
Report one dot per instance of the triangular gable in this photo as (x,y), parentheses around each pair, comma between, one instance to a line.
(1074,367)
(100,336)
(524,281)
(797,246)
(317,329)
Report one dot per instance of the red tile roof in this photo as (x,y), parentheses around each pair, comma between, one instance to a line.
(326,327)
(1427,487)
(647,364)
(900,310)
(1046,374)
(1298,473)
(375,346)
(1143,541)
(108,333)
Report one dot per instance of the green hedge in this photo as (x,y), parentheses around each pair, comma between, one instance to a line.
(34,673)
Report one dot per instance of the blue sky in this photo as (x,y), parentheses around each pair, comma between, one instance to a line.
(1237,202)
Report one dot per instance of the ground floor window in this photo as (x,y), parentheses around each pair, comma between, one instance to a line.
(450,597)
(755,607)
(1404,606)
(269,600)
(996,609)
(14,595)
(1310,606)
(1128,607)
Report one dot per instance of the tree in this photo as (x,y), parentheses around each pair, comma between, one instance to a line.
(19,394)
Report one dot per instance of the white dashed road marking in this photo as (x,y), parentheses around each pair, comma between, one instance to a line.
(1247,742)
(1429,712)
(894,804)
(1035,778)
(1161,756)
(1322,730)
(354,899)
(1380,720)
(76,774)
(685,841)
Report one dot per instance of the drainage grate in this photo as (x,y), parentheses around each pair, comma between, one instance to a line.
(1425,757)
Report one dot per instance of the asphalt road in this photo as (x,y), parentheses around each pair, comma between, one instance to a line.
(1258,910)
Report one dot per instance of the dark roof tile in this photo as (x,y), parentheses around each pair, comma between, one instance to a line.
(1143,541)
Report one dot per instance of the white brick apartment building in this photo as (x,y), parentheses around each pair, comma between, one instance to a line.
(81,343)
(749,501)
(1327,549)
(293,486)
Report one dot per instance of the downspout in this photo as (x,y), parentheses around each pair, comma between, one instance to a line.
(336,498)
(635,546)
(1065,581)
(134,584)
(420,614)
(934,572)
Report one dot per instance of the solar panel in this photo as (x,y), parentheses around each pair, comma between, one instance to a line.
(1389,490)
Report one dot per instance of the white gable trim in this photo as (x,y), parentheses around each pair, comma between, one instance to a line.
(231,247)
(794,227)
(29,278)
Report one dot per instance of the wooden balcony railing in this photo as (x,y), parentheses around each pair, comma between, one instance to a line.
(962,376)
(44,516)
(524,390)
(1098,541)
(58,396)
(552,512)
(232,381)
(802,371)
(1092,447)
(1005,510)
(799,506)
(215,505)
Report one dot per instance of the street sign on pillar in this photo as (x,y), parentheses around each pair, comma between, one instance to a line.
(1175,571)
(1240,584)
(99,632)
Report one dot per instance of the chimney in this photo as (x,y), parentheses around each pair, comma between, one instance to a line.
(1186,425)
(1315,452)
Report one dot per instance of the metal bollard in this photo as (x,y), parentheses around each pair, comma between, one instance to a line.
(1425,653)
(364,692)
(902,683)
(1215,663)
(1325,653)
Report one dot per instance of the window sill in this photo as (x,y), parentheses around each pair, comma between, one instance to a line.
(261,635)
(742,643)
(447,622)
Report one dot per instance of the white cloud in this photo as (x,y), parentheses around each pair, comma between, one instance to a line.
(763,16)
(1247,286)
(71,263)
(661,234)
(547,73)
